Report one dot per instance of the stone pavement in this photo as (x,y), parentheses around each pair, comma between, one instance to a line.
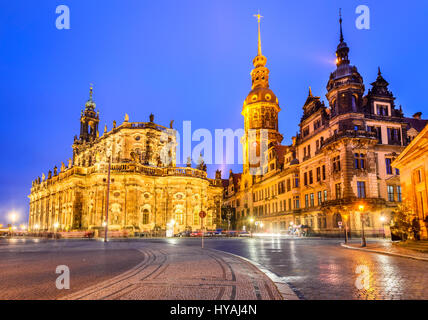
(387,247)
(184,273)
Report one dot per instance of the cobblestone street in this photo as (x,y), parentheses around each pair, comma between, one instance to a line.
(313,268)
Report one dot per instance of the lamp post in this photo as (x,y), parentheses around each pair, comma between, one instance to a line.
(251,226)
(56,225)
(345,218)
(107,200)
(382,219)
(12,218)
(362,218)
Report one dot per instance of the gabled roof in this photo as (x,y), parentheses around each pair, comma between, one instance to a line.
(408,150)
(418,124)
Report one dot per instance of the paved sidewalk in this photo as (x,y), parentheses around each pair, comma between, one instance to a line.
(387,247)
(184,273)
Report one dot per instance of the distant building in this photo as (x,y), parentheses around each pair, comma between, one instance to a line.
(413,166)
(340,159)
(147,191)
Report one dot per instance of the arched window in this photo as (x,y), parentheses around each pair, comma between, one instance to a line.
(146,216)
(354,103)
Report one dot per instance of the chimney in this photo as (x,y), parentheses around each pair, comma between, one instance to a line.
(417,115)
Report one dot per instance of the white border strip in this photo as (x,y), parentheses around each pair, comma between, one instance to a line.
(384,252)
(284,289)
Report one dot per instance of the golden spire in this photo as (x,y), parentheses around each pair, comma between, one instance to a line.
(258,16)
(91,86)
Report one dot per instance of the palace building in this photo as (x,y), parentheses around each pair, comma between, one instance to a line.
(337,170)
(147,192)
(413,166)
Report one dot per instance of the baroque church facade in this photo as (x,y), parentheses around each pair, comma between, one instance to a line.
(129,172)
(337,171)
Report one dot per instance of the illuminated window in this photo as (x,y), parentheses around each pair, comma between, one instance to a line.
(388,165)
(361,189)
(146,216)
(359,161)
(338,190)
(390,193)
(336,164)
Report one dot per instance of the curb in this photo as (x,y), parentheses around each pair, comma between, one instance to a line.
(283,287)
(385,252)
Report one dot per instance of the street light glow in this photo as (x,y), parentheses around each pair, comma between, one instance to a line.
(56,224)
(13,216)
(382,219)
(251,220)
(361,207)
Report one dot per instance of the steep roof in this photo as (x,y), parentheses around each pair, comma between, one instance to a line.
(418,124)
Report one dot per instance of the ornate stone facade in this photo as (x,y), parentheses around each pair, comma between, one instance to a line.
(340,159)
(413,166)
(147,190)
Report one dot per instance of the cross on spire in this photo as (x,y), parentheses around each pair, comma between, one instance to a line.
(91,86)
(259,17)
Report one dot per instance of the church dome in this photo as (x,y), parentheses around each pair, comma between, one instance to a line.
(261,94)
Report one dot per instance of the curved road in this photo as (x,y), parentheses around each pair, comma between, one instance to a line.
(314,268)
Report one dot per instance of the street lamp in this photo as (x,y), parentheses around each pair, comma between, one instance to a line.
(382,219)
(345,218)
(362,219)
(56,225)
(12,217)
(36,227)
(251,226)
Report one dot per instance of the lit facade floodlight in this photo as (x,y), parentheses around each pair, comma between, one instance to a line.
(251,220)
(56,225)
(382,218)
(361,207)
(104,224)
(36,226)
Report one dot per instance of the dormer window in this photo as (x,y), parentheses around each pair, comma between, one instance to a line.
(305,131)
(382,109)
(317,124)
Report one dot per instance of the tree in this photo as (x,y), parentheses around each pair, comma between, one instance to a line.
(401,224)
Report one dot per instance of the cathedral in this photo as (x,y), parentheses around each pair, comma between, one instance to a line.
(126,178)
(337,171)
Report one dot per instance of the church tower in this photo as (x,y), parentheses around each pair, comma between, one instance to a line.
(89,120)
(260,111)
(345,86)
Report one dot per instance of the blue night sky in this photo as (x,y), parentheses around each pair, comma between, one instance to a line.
(181,60)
